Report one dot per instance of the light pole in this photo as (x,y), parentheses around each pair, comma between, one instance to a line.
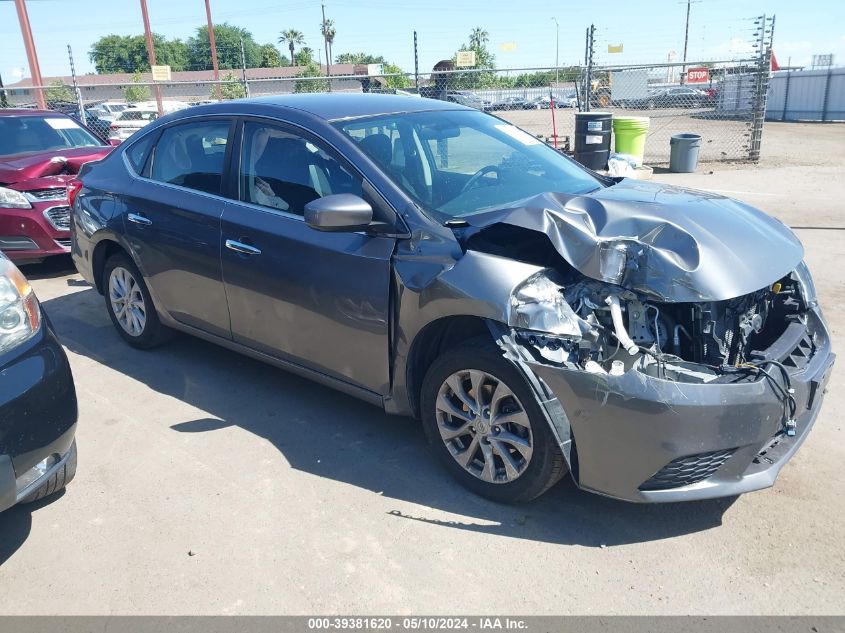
(557,51)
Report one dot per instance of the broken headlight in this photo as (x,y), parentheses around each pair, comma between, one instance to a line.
(538,304)
(808,288)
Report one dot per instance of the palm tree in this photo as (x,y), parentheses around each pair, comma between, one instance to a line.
(478,37)
(328,31)
(292,38)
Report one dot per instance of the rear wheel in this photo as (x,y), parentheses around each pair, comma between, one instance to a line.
(130,305)
(485,424)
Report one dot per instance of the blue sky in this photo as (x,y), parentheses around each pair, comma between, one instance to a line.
(648,29)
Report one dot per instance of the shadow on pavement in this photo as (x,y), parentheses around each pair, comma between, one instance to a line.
(332,435)
(16,523)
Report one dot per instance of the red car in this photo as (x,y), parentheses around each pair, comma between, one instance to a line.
(40,152)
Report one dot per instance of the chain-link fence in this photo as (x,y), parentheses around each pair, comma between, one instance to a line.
(722,101)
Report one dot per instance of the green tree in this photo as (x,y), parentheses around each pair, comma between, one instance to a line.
(359,58)
(58,92)
(231,88)
(305,57)
(397,80)
(329,31)
(136,92)
(292,38)
(271,57)
(320,84)
(485,61)
(228,40)
(128,53)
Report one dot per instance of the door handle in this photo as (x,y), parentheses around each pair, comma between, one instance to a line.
(138,219)
(240,247)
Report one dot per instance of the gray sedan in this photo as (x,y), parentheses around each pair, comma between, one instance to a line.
(656,343)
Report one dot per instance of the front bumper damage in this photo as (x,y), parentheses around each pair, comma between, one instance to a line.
(641,438)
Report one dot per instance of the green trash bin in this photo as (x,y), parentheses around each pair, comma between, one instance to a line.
(630,133)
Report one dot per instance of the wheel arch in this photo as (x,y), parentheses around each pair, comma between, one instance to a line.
(434,339)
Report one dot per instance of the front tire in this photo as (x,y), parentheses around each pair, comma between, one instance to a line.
(130,305)
(483,421)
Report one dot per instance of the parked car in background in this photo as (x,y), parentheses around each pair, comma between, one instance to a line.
(108,110)
(138,116)
(545,102)
(467,98)
(40,152)
(38,409)
(512,103)
(658,343)
(678,97)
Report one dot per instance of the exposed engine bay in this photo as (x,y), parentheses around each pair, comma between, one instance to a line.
(617,328)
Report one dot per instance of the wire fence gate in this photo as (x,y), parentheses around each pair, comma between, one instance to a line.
(724,101)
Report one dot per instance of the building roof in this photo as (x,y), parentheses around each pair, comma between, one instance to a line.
(191,76)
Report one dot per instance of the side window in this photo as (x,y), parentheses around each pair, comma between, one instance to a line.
(137,153)
(191,155)
(284,171)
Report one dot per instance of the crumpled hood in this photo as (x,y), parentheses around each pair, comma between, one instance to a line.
(676,244)
(19,169)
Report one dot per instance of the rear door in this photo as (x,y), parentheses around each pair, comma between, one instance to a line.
(173,222)
(317,299)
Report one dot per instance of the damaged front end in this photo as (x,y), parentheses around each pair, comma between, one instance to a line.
(672,401)
(662,383)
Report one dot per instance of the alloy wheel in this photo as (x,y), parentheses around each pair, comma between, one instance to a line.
(484,426)
(127,301)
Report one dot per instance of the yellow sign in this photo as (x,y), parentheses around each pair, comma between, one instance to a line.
(614,48)
(465,59)
(161,73)
(507,47)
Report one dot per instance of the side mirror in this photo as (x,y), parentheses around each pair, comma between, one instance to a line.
(342,212)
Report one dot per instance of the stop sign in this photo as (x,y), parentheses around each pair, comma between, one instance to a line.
(698,75)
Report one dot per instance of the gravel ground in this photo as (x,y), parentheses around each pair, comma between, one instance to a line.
(212,484)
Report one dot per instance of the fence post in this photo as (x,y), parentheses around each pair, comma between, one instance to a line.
(243,69)
(826,93)
(76,87)
(786,95)
(588,82)
(3,101)
(758,114)
(416,65)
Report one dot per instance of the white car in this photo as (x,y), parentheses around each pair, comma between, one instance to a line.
(109,110)
(138,116)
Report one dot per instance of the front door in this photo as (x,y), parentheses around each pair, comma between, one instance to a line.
(173,223)
(318,299)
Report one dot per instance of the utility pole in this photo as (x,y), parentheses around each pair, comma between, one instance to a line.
(211,41)
(31,55)
(326,42)
(151,53)
(557,51)
(686,41)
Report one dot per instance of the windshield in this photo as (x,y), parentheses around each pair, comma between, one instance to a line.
(457,163)
(25,134)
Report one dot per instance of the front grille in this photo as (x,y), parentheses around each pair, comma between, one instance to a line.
(800,356)
(64,243)
(685,471)
(59,217)
(53,193)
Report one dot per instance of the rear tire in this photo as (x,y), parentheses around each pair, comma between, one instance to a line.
(507,426)
(130,305)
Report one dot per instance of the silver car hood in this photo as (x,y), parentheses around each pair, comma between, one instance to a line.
(678,245)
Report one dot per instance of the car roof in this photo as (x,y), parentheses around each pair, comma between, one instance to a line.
(10,112)
(334,106)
